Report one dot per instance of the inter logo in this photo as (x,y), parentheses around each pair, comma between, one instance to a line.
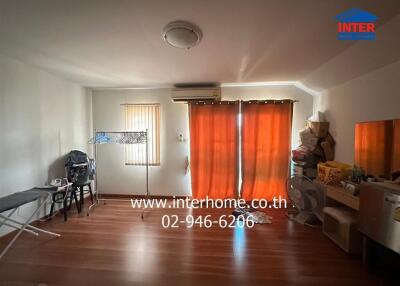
(356,24)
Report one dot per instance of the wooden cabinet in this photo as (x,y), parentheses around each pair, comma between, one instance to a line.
(340,219)
(340,195)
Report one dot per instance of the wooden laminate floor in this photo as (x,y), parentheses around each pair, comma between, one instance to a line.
(114,247)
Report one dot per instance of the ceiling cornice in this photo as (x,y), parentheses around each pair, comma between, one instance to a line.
(297,84)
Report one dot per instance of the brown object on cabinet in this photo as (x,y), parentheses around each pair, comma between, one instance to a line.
(374,147)
(396,146)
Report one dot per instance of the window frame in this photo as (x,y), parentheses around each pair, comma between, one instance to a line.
(154,145)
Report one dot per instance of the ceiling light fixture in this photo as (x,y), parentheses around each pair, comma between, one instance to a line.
(181,34)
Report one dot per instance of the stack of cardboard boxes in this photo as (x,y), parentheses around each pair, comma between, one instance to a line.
(317,145)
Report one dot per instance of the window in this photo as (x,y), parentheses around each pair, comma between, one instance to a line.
(139,117)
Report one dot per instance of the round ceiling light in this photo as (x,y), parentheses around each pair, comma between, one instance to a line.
(180,34)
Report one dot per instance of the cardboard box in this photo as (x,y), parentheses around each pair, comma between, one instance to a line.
(308,139)
(328,151)
(319,129)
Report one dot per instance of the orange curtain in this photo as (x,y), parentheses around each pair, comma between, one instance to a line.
(214,149)
(266,140)
(373,147)
(396,146)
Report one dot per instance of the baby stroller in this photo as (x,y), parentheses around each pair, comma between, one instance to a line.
(80,171)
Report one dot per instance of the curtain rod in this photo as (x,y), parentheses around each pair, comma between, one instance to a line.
(119,132)
(266,101)
(270,101)
(213,102)
(218,102)
(148,104)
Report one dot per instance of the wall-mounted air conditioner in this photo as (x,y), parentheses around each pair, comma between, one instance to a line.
(195,93)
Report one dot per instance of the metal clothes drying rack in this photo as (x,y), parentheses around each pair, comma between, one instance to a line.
(124,137)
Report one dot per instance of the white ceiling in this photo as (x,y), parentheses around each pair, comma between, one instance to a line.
(100,43)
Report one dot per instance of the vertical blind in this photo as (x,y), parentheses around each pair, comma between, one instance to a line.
(139,117)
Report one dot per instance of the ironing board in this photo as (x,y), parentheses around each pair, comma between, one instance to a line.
(14,201)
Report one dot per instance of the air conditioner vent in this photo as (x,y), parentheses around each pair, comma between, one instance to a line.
(196,93)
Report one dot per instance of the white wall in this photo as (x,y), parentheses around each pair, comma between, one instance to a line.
(374,96)
(113,176)
(169,178)
(42,117)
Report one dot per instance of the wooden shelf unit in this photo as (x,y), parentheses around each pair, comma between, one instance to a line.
(342,196)
(340,219)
